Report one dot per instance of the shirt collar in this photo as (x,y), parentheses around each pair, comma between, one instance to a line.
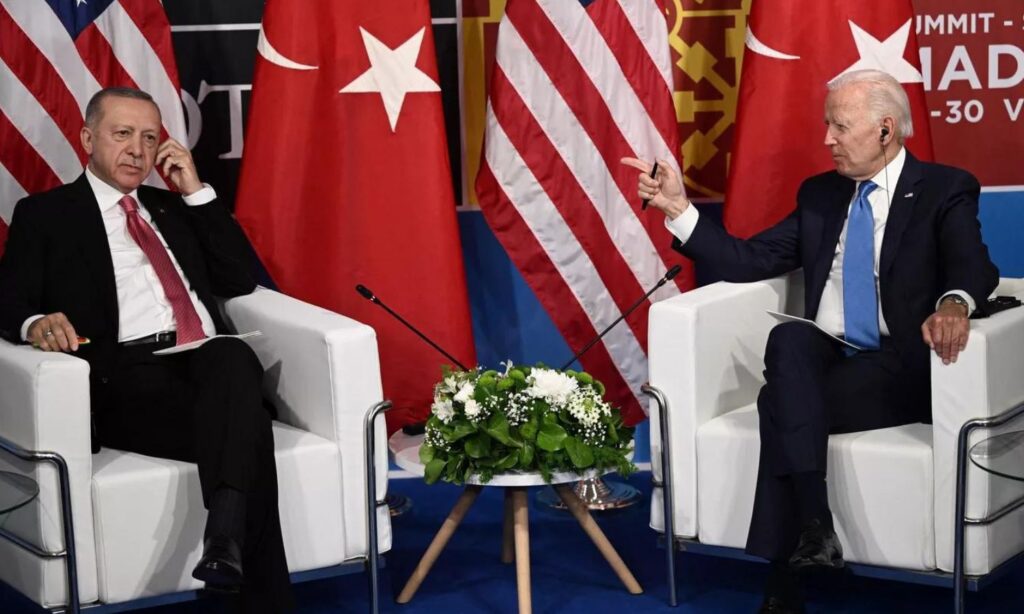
(106,195)
(887,178)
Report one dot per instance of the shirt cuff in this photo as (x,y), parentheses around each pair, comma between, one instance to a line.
(971,306)
(27,324)
(682,227)
(200,197)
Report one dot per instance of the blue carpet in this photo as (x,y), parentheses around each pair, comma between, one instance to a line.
(569,576)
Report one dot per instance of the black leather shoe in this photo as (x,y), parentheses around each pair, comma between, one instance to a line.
(818,547)
(774,605)
(221,565)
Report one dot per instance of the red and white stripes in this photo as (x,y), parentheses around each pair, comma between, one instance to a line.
(47,77)
(574,90)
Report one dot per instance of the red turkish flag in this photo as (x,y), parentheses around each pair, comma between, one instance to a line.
(793,49)
(345,180)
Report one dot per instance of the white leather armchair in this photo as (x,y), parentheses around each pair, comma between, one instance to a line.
(138,520)
(893,491)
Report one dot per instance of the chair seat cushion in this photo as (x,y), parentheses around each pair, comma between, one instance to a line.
(149,515)
(880,488)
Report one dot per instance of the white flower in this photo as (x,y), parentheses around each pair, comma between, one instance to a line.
(550,385)
(465,393)
(472,409)
(442,408)
(449,384)
(508,366)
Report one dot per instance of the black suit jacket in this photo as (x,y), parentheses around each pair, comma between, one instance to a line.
(932,244)
(57,259)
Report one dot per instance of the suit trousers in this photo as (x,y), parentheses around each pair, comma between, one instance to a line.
(204,406)
(812,389)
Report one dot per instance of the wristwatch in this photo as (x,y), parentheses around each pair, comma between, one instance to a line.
(959,300)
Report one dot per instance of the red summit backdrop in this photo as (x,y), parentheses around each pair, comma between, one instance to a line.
(971,57)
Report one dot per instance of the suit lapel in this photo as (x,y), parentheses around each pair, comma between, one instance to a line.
(834,218)
(903,199)
(85,218)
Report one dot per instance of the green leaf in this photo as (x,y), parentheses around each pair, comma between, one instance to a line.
(478,446)
(579,453)
(613,434)
(526,456)
(461,429)
(497,427)
(433,470)
(508,461)
(530,429)
(426,454)
(551,435)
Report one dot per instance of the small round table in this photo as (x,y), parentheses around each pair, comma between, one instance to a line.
(16,490)
(1002,455)
(516,526)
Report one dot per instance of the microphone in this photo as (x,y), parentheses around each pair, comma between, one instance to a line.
(370,296)
(661,282)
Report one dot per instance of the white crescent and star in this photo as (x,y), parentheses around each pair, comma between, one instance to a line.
(884,55)
(392,74)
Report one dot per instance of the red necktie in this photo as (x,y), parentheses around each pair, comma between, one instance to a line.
(190,327)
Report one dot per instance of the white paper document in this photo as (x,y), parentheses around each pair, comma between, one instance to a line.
(184,347)
(785,317)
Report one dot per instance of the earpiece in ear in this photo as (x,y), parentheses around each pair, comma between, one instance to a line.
(885,133)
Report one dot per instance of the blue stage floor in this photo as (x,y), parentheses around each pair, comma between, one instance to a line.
(569,576)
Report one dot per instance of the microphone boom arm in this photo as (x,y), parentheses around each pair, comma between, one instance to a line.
(661,282)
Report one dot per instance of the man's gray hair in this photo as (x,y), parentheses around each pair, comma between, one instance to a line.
(885,97)
(94,110)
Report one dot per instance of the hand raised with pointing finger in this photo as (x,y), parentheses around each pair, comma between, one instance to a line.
(665,191)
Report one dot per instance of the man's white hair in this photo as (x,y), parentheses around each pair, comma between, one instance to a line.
(885,97)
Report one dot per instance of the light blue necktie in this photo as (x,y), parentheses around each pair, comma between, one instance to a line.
(860,301)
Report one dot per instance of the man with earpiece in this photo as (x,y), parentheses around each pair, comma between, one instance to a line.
(893,262)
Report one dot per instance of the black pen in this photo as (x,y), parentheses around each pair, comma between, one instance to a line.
(646,201)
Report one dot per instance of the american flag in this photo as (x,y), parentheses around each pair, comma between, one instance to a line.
(574,89)
(54,55)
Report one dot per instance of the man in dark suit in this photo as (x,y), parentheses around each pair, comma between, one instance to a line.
(112,270)
(894,271)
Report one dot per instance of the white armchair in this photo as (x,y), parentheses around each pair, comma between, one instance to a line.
(893,491)
(138,521)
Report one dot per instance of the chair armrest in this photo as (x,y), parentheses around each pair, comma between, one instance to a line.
(986,380)
(44,407)
(322,368)
(323,376)
(706,354)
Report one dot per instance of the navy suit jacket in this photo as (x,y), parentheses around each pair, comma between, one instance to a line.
(932,244)
(57,259)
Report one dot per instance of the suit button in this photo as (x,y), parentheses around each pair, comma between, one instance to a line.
(103,380)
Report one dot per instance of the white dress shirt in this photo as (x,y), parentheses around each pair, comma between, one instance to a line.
(830,315)
(143,308)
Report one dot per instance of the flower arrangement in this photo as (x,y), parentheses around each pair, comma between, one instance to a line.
(525,419)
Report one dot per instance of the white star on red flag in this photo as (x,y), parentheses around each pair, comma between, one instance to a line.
(392,73)
(887,55)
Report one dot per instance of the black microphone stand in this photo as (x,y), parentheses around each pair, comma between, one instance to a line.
(597,493)
(399,504)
